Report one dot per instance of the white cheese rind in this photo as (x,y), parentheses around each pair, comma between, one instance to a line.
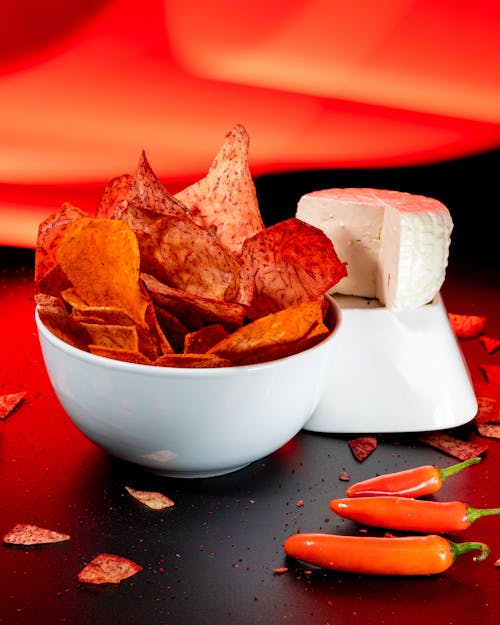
(396,244)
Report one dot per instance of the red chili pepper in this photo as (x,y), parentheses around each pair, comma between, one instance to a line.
(403,513)
(407,555)
(416,482)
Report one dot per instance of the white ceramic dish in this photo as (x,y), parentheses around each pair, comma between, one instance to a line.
(188,422)
(394,372)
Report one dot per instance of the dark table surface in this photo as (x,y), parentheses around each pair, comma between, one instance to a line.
(211,557)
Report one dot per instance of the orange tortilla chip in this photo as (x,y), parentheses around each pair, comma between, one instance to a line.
(193,361)
(27,535)
(275,336)
(291,262)
(151,499)
(200,341)
(53,282)
(108,568)
(101,259)
(56,318)
(466,326)
(225,200)
(9,402)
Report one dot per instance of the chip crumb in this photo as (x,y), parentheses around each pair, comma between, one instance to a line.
(279,570)
(300,503)
(344,476)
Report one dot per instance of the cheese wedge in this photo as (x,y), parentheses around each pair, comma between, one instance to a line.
(396,244)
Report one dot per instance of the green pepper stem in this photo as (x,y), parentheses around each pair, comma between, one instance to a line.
(455,468)
(457,549)
(475,513)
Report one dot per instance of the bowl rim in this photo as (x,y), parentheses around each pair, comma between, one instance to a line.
(162,371)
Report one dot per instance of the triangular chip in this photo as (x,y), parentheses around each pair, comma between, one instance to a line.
(362,446)
(25,534)
(151,499)
(9,402)
(108,568)
(225,200)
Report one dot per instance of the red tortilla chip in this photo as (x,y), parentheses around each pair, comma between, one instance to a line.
(194,312)
(172,328)
(491,345)
(53,282)
(362,446)
(489,430)
(108,568)
(50,232)
(225,200)
(185,256)
(291,262)
(151,499)
(9,402)
(488,410)
(24,534)
(467,326)
(455,447)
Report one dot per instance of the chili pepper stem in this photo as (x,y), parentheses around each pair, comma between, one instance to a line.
(455,468)
(457,549)
(476,513)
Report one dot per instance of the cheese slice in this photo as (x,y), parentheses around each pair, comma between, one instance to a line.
(396,244)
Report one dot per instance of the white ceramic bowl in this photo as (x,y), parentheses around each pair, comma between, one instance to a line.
(188,422)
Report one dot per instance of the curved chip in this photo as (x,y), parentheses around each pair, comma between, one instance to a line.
(26,534)
(101,259)
(291,262)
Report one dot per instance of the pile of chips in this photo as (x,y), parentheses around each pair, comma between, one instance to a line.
(187,280)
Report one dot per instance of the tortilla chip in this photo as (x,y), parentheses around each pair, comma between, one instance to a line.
(225,200)
(291,262)
(101,259)
(187,257)
(489,430)
(173,330)
(492,373)
(200,341)
(275,336)
(9,402)
(125,355)
(112,202)
(362,446)
(448,444)
(113,336)
(467,326)
(107,568)
(50,232)
(192,361)
(24,534)
(194,312)
(151,499)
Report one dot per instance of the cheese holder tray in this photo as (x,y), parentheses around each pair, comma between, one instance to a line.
(394,371)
